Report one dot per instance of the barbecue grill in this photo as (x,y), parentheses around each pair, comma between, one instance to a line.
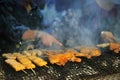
(104,66)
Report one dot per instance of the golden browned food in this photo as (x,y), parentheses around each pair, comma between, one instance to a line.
(37,60)
(77,54)
(117,50)
(24,60)
(61,58)
(34,52)
(88,52)
(15,65)
(8,56)
(95,52)
(115,47)
(58,59)
(71,55)
(18,54)
(75,59)
(26,53)
(29,66)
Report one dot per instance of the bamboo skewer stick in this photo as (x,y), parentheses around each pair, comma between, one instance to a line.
(25,72)
(33,71)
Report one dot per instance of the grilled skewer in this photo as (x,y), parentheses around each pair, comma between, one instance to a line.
(115,47)
(61,58)
(15,65)
(38,61)
(25,61)
(8,56)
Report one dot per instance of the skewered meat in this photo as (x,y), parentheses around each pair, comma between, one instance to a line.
(8,56)
(70,54)
(38,61)
(61,58)
(88,52)
(26,53)
(29,66)
(33,52)
(58,59)
(115,47)
(76,53)
(24,60)
(75,59)
(14,64)
(95,52)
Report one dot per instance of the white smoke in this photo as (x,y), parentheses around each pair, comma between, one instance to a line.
(73,26)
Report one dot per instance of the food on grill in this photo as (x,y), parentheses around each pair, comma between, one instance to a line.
(88,52)
(33,52)
(58,59)
(16,65)
(24,60)
(8,56)
(72,55)
(61,58)
(37,60)
(103,45)
(117,50)
(86,55)
(95,52)
(26,53)
(77,54)
(115,47)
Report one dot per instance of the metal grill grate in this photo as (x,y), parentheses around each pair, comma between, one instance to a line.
(106,64)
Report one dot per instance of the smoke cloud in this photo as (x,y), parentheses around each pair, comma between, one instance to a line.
(80,23)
